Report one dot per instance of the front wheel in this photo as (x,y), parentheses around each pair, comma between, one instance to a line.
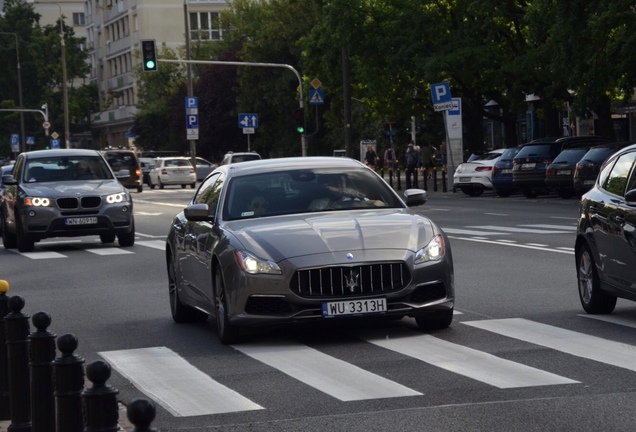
(435,320)
(193,185)
(593,300)
(107,238)
(161,186)
(150,184)
(25,244)
(9,240)
(183,186)
(180,312)
(228,334)
(128,239)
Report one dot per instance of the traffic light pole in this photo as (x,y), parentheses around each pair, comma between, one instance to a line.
(303,137)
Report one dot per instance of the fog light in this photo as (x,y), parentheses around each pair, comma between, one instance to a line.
(124,209)
(32,213)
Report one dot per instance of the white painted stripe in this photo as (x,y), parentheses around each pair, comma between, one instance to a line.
(524,246)
(175,384)
(182,206)
(520,230)
(330,375)
(507,241)
(567,341)
(155,244)
(496,214)
(40,255)
(537,244)
(570,249)
(555,227)
(104,251)
(471,363)
(471,232)
(614,319)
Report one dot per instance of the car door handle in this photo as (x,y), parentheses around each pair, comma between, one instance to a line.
(619,219)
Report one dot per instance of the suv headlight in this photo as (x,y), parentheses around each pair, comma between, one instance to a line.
(115,198)
(254,265)
(433,251)
(37,202)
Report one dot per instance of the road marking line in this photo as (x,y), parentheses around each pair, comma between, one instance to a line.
(521,230)
(155,244)
(471,232)
(556,227)
(330,375)
(175,384)
(469,362)
(104,251)
(567,341)
(40,254)
(614,319)
(525,246)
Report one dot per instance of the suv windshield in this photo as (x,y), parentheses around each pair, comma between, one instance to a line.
(66,168)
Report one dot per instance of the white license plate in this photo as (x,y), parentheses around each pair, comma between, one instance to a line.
(354,307)
(564,172)
(588,182)
(528,166)
(81,221)
(464,179)
(506,171)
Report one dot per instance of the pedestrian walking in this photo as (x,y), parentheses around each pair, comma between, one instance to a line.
(389,158)
(412,160)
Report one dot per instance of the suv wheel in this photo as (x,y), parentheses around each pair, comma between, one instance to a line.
(9,240)
(24,243)
(128,239)
(107,238)
(530,193)
(593,300)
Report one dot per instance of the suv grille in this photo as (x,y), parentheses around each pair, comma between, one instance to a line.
(370,279)
(73,203)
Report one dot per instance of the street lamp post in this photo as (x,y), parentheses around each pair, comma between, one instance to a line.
(17,53)
(67,129)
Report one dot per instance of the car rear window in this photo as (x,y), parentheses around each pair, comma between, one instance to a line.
(536,150)
(571,155)
(244,158)
(509,154)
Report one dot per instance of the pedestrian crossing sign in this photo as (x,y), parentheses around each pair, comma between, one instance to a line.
(316,97)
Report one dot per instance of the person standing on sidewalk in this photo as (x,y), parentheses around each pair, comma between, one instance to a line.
(370,158)
(412,160)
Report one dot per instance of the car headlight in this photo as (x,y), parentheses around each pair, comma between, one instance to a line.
(433,251)
(37,202)
(254,265)
(115,198)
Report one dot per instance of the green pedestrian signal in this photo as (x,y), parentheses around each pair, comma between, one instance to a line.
(149,55)
(299,119)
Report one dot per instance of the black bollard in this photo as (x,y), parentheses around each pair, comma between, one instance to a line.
(17,328)
(68,373)
(141,413)
(100,401)
(434,179)
(5,414)
(444,185)
(42,350)
(390,177)
(399,182)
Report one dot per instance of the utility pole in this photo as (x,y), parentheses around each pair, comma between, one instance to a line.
(346,93)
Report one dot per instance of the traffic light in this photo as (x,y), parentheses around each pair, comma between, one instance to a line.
(149,55)
(299,119)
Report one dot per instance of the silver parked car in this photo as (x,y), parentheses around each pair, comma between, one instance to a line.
(64,193)
(301,239)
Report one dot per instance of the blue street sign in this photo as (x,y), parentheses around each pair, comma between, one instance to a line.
(441,96)
(15,139)
(55,143)
(457,107)
(30,140)
(316,97)
(191,102)
(192,121)
(248,120)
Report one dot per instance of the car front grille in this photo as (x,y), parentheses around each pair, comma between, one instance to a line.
(74,203)
(347,281)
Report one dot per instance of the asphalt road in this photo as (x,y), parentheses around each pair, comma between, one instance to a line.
(520,355)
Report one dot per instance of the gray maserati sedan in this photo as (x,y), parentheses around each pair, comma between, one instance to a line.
(293,240)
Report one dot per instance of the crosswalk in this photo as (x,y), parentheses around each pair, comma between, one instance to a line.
(184,390)
(55,248)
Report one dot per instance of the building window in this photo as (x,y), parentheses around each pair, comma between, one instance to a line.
(205,26)
(78,18)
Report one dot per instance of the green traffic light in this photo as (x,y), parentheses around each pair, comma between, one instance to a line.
(300,129)
(150,64)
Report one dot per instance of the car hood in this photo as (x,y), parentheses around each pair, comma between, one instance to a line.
(283,237)
(62,189)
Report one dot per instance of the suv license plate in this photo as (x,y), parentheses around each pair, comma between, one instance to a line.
(354,307)
(81,221)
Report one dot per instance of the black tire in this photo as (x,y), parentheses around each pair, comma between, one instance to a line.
(107,238)
(9,240)
(473,191)
(24,243)
(193,185)
(565,194)
(161,186)
(128,239)
(228,334)
(150,185)
(180,312)
(435,320)
(140,189)
(593,300)
(530,193)
(503,193)
(183,186)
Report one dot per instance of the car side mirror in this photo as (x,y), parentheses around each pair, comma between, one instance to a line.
(198,213)
(123,174)
(415,197)
(630,197)
(9,180)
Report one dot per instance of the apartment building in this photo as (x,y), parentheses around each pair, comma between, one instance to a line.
(114,29)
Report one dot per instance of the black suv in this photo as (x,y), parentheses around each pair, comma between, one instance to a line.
(529,165)
(588,167)
(120,159)
(605,247)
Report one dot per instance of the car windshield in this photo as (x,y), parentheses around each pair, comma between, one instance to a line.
(66,168)
(301,191)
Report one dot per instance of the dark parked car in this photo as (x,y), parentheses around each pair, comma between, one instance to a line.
(120,159)
(529,165)
(4,170)
(502,172)
(306,239)
(559,175)
(605,247)
(64,193)
(588,167)
(232,157)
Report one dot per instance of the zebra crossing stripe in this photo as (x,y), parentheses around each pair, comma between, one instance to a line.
(330,375)
(559,339)
(175,384)
(105,251)
(155,244)
(471,363)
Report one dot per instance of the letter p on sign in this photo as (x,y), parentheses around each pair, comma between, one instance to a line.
(441,92)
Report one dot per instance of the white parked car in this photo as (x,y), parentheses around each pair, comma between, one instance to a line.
(204,167)
(474,177)
(172,171)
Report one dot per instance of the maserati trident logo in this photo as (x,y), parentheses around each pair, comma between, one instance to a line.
(352,280)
